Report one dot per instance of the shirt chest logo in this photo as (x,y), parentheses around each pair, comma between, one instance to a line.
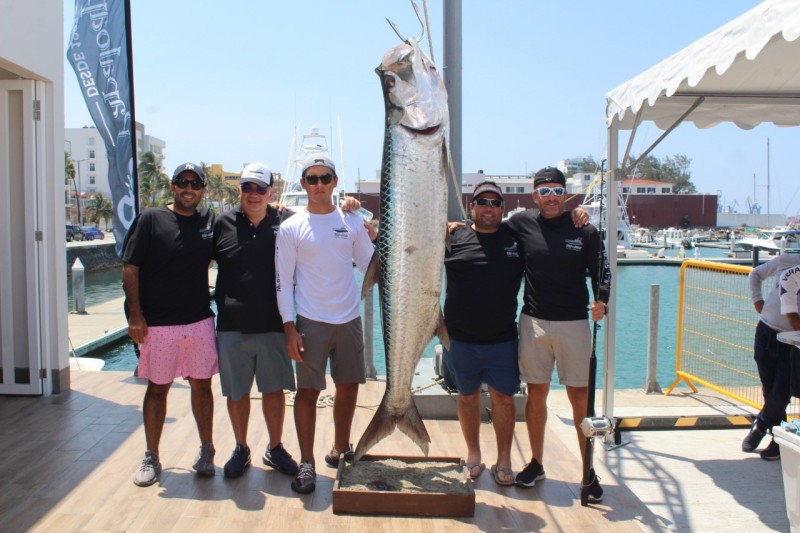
(573,245)
(341,233)
(512,250)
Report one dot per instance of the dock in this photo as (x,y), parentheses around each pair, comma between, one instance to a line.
(67,462)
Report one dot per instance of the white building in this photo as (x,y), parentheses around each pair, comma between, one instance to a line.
(34,355)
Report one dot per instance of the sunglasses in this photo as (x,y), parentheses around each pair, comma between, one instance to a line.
(483,202)
(547,191)
(312,180)
(252,187)
(183,183)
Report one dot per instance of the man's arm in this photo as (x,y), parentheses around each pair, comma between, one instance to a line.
(137,325)
(285,264)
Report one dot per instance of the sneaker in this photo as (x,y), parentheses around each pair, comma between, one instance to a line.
(305,480)
(753,439)
(204,464)
(595,490)
(332,458)
(772,452)
(529,475)
(239,461)
(148,471)
(279,459)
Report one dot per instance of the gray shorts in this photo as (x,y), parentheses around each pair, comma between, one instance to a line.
(243,356)
(342,343)
(545,343)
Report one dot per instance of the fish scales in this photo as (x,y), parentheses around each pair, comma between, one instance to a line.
(410,249)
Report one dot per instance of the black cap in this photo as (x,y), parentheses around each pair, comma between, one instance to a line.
(487,186)
(549,175)
(190,167)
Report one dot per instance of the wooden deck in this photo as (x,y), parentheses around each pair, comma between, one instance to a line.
(66,464)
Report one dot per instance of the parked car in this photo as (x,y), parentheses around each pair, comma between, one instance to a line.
(93,233)
(75,233)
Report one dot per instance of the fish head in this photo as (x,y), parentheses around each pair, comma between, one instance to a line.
(413,91)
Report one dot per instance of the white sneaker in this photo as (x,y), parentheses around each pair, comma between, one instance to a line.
(148,471)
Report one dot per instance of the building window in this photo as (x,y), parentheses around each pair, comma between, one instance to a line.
(520,189)
(509,189)
(91,167)
(91,154)
(90,141)
(91,180)
(640,190)
(651,190)
(665,190)
(626,190)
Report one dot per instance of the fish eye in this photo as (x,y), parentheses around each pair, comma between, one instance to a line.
(389,81)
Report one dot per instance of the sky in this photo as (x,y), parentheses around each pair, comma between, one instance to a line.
(234,82)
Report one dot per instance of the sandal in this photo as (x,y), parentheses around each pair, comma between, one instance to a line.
(474,469)
(501,476)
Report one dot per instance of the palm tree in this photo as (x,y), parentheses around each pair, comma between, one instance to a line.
(231,194)
(215,186)
(153,183)
(69,174)
(100,207)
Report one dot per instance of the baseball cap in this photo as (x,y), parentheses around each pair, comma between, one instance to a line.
(487,186)
(257,173)
(549,175)
(317,160)
(190,167)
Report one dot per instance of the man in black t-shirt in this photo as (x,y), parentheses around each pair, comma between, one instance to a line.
(484,270)
(250,335)
(554,330)
(165,278)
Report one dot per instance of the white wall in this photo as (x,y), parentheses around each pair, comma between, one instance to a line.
(32,47)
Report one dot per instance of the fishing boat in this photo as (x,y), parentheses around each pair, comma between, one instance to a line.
(592,202)
(312,143)
(772,240)
(674,238)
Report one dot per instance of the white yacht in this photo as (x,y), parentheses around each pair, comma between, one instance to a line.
(293,195)
(771,240)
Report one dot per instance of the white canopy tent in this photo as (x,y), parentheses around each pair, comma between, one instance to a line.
(746,72)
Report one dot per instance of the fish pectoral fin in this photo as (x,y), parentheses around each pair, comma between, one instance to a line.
(441,331)
(372,274)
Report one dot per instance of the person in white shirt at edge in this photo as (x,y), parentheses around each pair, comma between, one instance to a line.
(314,258)
(778,313)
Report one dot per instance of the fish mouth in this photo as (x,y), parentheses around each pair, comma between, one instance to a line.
(424,131)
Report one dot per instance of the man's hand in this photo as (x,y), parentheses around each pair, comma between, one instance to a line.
(580,217)
(350,203)
(794,321)
(759,305)
(453,226)
(294,341)
(137,327)
(598,310)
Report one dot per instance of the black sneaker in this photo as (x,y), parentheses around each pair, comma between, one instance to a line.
(305,480)
(772,452)
(279,459)
(239,461)
(753,439)
(332,458)
(529,475)
(595,490)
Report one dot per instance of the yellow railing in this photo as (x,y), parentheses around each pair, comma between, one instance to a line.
(716,325)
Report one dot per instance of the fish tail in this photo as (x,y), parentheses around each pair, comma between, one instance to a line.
(412,425)
(384,423)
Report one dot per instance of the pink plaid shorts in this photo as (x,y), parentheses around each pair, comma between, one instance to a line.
(188,351)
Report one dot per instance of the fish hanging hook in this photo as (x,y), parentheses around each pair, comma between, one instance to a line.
(423,25)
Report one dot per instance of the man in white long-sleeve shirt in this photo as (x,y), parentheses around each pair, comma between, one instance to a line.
(313,259)
(778,313)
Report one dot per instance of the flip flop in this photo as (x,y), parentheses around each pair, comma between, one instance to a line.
(471,468)
(498,471)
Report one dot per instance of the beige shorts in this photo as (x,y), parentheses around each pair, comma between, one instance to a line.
(545,343)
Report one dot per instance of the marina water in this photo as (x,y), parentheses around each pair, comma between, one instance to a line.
(633,306)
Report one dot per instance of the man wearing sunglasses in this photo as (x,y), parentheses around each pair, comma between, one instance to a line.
(165,277)
(484,268)
(250,336)
(314,261)
(554,330)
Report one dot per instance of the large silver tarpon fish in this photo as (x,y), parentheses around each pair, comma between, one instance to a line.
(409,253)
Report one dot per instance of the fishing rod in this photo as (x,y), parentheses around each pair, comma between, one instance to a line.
(592,426)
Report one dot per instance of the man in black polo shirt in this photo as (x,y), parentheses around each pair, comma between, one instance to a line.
(250,334)
(165,278)
(484,270)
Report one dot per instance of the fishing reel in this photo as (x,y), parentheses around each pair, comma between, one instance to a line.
(597,426)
